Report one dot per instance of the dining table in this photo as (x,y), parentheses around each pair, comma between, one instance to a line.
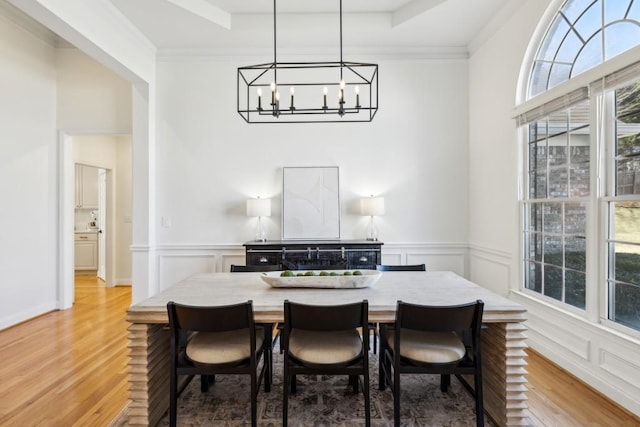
(503,334)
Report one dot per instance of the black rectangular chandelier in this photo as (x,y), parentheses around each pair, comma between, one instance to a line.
(308,92)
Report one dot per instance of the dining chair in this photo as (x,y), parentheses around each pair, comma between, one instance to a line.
(325,339)
(441,340)
(327,267)
(406,267)
(253,268)
(213,340)
(262,268)
(373,327)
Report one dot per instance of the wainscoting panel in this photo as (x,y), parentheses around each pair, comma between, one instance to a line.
(490,269)
(599,356)
(436,256)
(616,364)
(557,335)
(172,268)
(226,260)
(177,262)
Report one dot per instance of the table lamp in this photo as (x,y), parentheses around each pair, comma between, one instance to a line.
(258,208)
(371,207)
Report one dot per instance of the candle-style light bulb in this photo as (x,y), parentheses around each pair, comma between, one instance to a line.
(273,93)
(259,98)
(357,91)
(276,107)
(342,84)
(325,91)
(292,90)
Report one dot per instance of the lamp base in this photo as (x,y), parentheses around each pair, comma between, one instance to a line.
(372,230)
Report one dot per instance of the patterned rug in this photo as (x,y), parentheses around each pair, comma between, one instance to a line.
(324,401)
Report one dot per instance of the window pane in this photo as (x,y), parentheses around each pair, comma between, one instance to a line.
(540,188)
(594,38)
(626,222)
(535,247)
(553,39)
(553,250)
(575,221)
(539,78)
(558,150)
(628,102)
(575,286)
(534,278)
(553,282)
(627,263)
(579,180)
(589,57)
(620,37)
(559,73)
(552,214)
(615,10)
(628,177)
(535,219)
(579,148)
(538,155)
(537,131)
(575,256)
(590,21)
(558,182)
(574,8)
(628,145)
(625,303)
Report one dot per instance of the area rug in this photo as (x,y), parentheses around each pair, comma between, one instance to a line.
(324,401)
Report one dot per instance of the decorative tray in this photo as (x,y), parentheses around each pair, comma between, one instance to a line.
(338,280)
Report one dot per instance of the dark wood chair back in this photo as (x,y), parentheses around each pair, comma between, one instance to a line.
(438,323)
(253,268)
(315,326)
(187,321)
(410,267)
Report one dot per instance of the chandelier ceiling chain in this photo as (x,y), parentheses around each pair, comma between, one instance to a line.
(307,81)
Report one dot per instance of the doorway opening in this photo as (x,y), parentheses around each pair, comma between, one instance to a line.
(96,210)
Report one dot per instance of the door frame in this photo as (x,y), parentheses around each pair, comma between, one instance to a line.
(66,229)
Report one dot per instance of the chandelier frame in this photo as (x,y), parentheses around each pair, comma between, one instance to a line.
(253,79)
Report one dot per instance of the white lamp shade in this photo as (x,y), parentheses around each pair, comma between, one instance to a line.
(372,206)
(259,207)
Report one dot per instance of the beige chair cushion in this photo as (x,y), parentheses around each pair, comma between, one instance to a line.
(222,347)
(320,347)
(429,347)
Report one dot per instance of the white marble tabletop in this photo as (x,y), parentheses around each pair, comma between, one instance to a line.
(429,288)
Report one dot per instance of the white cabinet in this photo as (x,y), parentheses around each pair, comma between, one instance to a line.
(86,251)
(86,187)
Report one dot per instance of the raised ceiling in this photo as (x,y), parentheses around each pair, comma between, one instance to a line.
(245,26)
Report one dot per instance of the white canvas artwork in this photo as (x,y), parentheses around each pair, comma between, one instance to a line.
(310,203)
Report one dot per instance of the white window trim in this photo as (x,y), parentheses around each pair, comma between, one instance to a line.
(602,81)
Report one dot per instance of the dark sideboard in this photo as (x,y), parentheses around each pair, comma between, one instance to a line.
(315,254)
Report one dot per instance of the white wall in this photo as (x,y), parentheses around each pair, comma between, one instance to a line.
(27,176)
(414,154)
(605,359)
(91,98)
(209,161)
(123,210)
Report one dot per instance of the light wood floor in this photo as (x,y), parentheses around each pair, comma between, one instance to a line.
(69,368)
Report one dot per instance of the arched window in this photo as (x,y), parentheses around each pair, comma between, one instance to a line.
(581,158)
(583,34)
